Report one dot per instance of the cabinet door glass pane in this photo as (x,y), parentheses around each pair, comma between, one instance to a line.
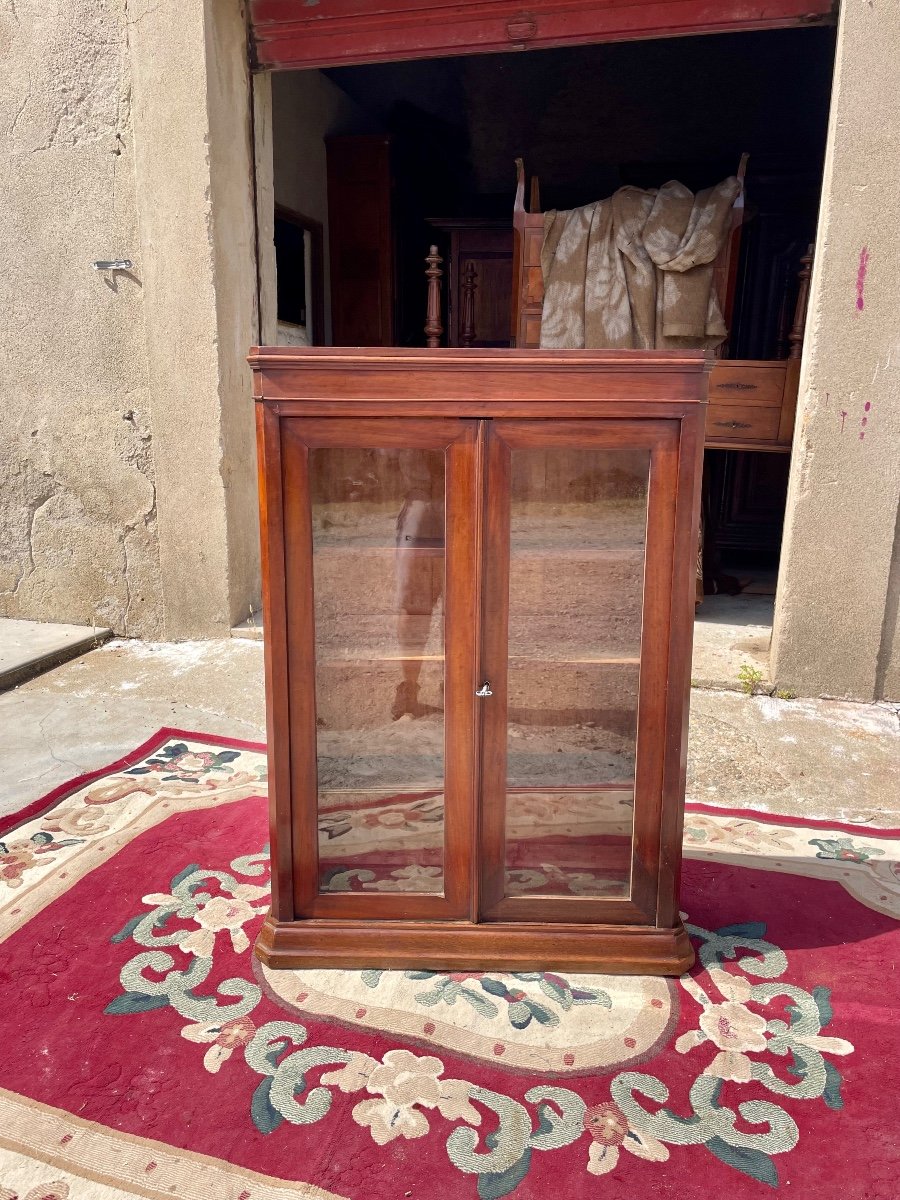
(578,528)
(378,574)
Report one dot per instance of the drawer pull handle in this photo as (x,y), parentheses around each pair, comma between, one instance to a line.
(485,689)
(736,386)
(732,424)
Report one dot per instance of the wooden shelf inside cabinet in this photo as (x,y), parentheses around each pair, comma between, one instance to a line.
(478,571)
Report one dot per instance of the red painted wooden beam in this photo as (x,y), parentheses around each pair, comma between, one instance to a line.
(318,33)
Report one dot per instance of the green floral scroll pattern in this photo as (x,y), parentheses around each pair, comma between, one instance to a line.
(277,1098)
(404,1094)
(842,849)
(176,762)
(403,1088)
(189,900)
(520,1008)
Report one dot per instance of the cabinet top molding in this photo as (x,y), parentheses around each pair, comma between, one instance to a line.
(383,381)
(316,357)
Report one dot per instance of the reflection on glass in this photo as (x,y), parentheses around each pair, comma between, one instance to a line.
(578,526)
(378,573)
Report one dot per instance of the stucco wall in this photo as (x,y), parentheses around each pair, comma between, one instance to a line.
(836,628)
(194,193)
(128,492)
(306,108)
(78,514)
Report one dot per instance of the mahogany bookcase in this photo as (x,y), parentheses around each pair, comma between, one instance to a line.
(478,571)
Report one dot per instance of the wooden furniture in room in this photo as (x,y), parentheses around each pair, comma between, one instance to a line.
(478,599)
(361,240)
(300,275)
(479,271)
(752,403)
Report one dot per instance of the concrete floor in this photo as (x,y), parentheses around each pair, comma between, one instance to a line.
(29,647)
(730,631)
(803,757)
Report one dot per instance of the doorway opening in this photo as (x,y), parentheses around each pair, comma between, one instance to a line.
(390,159)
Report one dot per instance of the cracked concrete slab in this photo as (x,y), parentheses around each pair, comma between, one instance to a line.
(28,648)
(815,758)
(92,711)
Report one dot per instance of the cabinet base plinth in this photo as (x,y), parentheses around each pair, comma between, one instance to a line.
(406,945)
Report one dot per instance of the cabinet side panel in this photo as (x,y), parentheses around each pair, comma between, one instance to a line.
(678,688)
(299,663)
(653,707)
(271,516)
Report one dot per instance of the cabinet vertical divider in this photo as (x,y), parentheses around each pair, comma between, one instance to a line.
(460,650)
(495,667)
(478,666)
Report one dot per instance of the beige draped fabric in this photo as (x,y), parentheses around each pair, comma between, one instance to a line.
(635,271)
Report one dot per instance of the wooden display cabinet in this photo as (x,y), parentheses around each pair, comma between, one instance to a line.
(478,598)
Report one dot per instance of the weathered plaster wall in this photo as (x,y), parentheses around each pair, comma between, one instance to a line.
(78,517)
(306,108)
(887,679)
(836,628)
(193,171)
(128,493)
(265,208)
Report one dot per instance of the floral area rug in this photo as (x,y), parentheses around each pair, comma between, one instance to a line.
(146,1053)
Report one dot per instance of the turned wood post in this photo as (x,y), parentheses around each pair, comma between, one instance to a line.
(433,326)
(467,315)
(799,326)
(534,204)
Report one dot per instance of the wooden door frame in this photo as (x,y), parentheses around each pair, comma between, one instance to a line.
(662,440)
(288,35)
(315,304)
(291,629)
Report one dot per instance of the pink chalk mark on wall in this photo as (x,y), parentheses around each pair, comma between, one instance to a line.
(861,279)
(867,408)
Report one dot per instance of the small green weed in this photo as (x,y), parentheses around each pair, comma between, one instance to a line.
(749,678)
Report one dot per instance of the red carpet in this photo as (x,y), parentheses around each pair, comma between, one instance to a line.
(145,1052)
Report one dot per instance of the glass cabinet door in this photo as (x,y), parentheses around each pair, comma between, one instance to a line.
(383,507)
(578,544)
